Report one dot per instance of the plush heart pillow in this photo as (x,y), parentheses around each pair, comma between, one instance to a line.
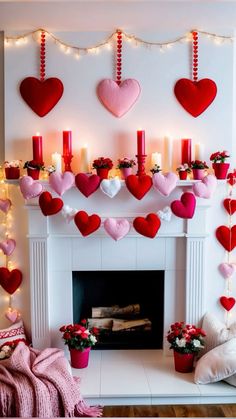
(49,205)
(87,224)
(164,184)
(29,187)
(61,182)
(148,226)
(87,184)
(217,332)
(227,237)
(184,208)
(14,332)
(10,280)
(138,185)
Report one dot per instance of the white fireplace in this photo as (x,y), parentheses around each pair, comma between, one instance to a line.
(57,249)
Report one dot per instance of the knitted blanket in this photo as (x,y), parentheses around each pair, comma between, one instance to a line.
(37,383)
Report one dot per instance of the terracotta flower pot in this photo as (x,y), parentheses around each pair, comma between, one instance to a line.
(183,175)
(126,171)
(34,173)
(221,170)
(183,362)
(198,174)
(102,172)
(79,359)
(12,172)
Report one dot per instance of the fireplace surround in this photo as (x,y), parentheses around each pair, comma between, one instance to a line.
(57,249)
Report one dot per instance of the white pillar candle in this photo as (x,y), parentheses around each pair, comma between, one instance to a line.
(84,160)
(168,145)
(199,151)
(56,161)
(156,159)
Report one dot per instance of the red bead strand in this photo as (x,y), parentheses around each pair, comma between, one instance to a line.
(195,55)
(42,56)
(118,56)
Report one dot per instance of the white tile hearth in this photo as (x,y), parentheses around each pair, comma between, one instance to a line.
(144,377)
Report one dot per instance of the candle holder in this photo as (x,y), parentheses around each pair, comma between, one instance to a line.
(67,162)
(141,158)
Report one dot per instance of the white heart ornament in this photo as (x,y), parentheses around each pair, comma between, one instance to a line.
(227,269)
(164,184)
(110,187)
(165,214)
(29,187)
(206,187)
(117,228)
(12,315)
(68,213)
(61,182)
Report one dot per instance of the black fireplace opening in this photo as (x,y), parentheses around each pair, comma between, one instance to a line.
(126,306)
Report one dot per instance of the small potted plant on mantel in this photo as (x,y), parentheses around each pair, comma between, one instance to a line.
(125,165)
(102,166)
(12,169)
(33,168)
(155,169)
(219,165)
(183,171)
(199,168)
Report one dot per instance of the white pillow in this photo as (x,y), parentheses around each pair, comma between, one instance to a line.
(217,364)
(14,332)
(216,332)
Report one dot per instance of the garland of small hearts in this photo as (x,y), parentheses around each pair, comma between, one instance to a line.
(226,235)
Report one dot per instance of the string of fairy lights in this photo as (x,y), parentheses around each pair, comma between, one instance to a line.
(135,41)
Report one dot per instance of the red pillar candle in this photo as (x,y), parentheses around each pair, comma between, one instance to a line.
(186,151)
(37,148)
(141,142)
(67,143)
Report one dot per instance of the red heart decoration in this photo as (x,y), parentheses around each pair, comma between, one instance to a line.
(230,205)
(138,185)
(49,205)
(10,280)
(227,302)
(195,96)
(148,226)
(87,184)
(87,224)
(41,96)
(227,237)
(184,208)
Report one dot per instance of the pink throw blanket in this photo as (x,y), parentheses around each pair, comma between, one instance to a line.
(38,384)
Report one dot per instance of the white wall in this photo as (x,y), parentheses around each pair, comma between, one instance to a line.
(157,111)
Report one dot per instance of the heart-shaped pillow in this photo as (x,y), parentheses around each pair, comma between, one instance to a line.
(5,205)
(87,224)
(87,184)
(8,246)
(230,205)
(10,280)
(164,184)
(110,187)
(117,228)
(61,182)
(227,302)
(41,96)
(227,237)
(29,187)
(184,208)
(118,98)
(148,226)
(138,185)
(49,205)
(195,96)
(206,187)
(227,269)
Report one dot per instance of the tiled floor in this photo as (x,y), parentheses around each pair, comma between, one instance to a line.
(129,377)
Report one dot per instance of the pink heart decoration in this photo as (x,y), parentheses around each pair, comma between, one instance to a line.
(118,98)
(206,187)
(164,184)
(61,182)
(5,205)
(117,228)
(8,246)
(12,315)
(227,269)
(184,208)
(29,187)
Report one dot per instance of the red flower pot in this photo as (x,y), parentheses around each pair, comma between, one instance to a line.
(102,172)
(198,174)
(221,170)
(183,362)
(79,359)
(183,175)
(34,173)
(12,172)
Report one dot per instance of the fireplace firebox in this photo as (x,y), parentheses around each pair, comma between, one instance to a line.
(126,306)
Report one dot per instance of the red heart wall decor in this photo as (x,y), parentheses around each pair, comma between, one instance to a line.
(41,96)
(227,237)
(184,208)
(230,205)
(195,96)
(138,185)
(227,302)
(87,224)
(49,205)
(148,226)
(87,184)
(10,280)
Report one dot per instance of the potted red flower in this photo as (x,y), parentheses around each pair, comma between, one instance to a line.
(183,171)
(33,168)
(219,165)
(186,340)
(79,339)
(12,169)
(199,169)
(102,165)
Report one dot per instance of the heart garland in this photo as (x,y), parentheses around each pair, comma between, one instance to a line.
(184,208)
(87,224)
(138,185)
(147,226)
(166,183)
(49,205)
(10,280)
(30,188)
(110,187)
(61,182)
(227,302)
(206,187)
